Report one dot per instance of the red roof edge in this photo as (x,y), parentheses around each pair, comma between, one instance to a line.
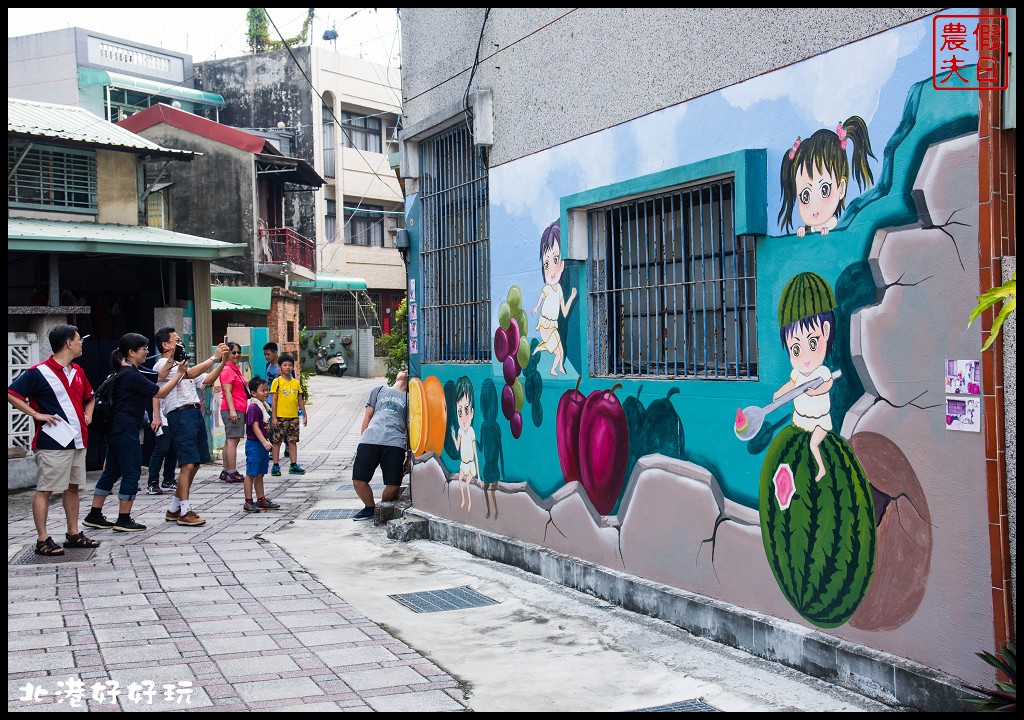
(161,113)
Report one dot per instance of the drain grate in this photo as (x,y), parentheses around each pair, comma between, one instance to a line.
(28,556)
(684,706)
(458,598)
(348,487)
(332,514)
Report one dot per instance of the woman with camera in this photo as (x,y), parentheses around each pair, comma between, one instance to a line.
(233,404)
(132,396)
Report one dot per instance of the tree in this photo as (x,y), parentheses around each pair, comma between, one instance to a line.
(258,35)
(396,343)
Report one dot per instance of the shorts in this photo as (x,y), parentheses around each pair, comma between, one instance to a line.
(56,469)
(287,430)
(188,436)
(257,458)
(236,429)
(390,459)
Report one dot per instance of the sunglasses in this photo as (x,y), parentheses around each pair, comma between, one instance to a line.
(236,352)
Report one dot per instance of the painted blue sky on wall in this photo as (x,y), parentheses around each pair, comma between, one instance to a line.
(870,78)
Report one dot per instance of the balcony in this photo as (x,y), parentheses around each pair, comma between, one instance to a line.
(284,245)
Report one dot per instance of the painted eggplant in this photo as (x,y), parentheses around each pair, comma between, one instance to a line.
(635,412)
(567,430)
(603,448)
(662,431)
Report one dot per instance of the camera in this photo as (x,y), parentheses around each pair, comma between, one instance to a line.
(180,354)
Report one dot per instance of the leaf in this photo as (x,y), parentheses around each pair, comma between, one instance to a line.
(1005,293)
(1008,307)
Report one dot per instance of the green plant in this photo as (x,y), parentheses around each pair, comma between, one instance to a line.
(1003,697)
(396,343)
(1005,293)
(304,383)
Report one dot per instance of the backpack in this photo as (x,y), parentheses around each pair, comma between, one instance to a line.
(103,409)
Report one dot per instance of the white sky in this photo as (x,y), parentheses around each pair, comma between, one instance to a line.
(212,33)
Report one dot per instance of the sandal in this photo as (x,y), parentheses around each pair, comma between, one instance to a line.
(80,541)
(48,548)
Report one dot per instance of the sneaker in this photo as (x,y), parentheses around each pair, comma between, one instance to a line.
(128,525)
(235,476)
(296,470)
(154,489)
(365,514)
(276,470)
(191,518)
(250,507)
(267,504)
(172,516)
(169,486)
(225,476)
(96,520)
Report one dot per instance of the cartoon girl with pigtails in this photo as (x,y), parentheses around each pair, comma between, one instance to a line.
(815,175)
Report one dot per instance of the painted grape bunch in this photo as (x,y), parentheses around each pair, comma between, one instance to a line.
(513,352)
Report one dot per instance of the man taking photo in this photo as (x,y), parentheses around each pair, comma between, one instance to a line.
(183,410)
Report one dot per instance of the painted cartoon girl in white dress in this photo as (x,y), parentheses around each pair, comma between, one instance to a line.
(551,301)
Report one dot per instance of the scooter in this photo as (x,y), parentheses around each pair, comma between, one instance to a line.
(326,363)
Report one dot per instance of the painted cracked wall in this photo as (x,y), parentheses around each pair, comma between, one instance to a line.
(855,508)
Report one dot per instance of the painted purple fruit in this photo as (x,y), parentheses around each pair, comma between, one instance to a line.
(516,424)
(500,345)
(513,336)
(604,448)
(508,402)
(567,431)
(510,370)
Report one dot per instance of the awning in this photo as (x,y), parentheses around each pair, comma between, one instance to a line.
(288,169)
(91,77)
(244,297)
(327,282)
(32,235)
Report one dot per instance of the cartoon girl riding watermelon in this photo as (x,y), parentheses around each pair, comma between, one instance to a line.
(817,514)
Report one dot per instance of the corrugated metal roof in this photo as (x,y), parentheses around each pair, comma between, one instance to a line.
(33,235)
(74,124)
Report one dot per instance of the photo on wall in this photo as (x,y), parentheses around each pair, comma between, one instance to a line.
(963,377)
(963,414)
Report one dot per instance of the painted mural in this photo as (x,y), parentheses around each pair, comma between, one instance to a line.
(825,490)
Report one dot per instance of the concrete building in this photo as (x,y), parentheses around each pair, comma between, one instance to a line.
(108,76)
(341,115)
(635,235)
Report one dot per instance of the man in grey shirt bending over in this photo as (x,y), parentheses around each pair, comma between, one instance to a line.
(383,444)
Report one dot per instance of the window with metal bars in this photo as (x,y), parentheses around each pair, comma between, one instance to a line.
(339,310)
(455,249)
(51,178)
(361,132)
(671,287)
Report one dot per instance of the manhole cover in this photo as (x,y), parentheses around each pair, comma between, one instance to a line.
(440,600)
(332,514)
(28,556)
(684,706)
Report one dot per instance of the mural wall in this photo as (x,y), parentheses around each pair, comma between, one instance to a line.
(831,486)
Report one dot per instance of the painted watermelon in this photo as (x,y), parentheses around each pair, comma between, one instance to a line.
(819,537)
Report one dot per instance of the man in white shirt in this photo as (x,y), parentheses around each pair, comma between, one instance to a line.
(183,410)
